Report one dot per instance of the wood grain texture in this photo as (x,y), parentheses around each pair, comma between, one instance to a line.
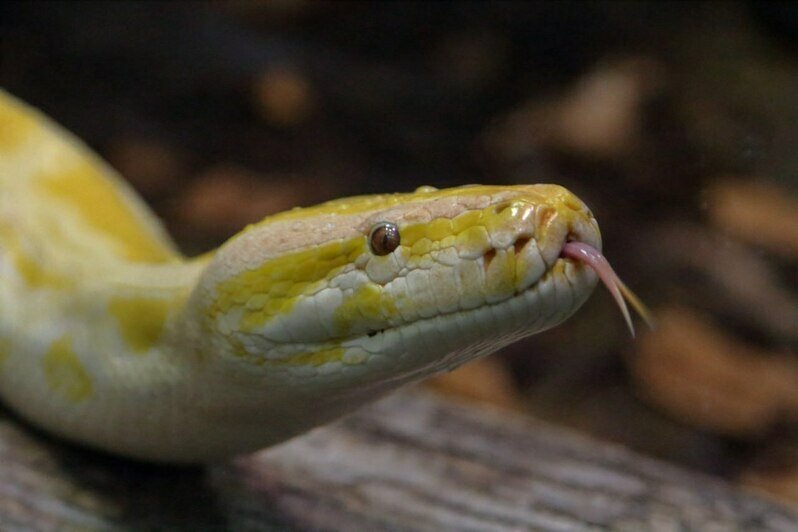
(411,462)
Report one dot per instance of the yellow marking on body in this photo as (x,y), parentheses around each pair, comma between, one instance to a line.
(411,234)
(422,246)
(465,220)
(85,188)
(282,281)
(64,372)
(312,358)
(141,320)
(438,229)
(500,276)
(34,273)
(469,231)
(37,275)
(369,306)
(473,241)
(16,125)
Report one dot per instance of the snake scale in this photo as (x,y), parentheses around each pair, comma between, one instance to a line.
(110,338)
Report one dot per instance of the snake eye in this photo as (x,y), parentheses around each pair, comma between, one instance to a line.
(384,238)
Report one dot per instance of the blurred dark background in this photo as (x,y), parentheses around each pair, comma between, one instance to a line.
(676,122)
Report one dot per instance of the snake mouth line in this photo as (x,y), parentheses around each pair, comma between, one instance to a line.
(588,256)
(574,252)
(351,339)
(518,293)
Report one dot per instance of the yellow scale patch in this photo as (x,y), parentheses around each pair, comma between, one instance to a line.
(312,358)
(369,305)
(85,187)
(64,373)
(468,229)
(320,357)
(141,320)
(274,287)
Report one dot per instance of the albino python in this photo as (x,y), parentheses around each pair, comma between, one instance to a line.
(109,337)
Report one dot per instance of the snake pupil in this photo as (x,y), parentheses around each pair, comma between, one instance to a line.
(384,238)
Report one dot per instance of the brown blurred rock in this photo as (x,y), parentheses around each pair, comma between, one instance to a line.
(470,61)
(701,268)
(224,199)
(706,377)
(757,212)
(152,167)
(599,117)
(284,97)
(487,380)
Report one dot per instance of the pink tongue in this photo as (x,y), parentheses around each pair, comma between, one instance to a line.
(594,259)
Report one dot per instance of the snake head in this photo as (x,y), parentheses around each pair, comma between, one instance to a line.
(390,288)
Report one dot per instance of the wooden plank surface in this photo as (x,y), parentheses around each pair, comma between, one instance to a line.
(411,462)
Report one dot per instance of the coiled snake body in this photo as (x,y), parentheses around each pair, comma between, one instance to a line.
(109,337)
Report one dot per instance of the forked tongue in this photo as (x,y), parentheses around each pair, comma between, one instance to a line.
(593,258)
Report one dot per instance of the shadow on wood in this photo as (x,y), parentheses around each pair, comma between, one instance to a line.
(411,462)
